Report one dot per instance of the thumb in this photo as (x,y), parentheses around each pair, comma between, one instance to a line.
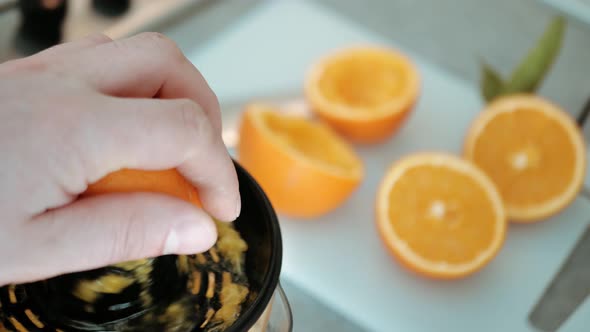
(98,231)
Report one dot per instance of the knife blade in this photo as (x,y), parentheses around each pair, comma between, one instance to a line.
(568,289)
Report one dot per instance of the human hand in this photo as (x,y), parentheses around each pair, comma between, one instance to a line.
(78,111)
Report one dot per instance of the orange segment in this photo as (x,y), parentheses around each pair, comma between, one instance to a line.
(169,182)
(364,93)
(440,215)
(534,153)
(304,167)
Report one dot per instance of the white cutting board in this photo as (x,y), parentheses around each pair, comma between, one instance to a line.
(339,257)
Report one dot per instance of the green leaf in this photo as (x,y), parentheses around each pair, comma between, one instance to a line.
(529,74)
(491,82)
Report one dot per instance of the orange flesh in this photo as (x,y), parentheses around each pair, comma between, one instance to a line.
(304,167)
(363,81)
(442,215)
(364,93)
(311,141)
(529,156)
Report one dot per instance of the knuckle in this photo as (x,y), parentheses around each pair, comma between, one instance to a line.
(165,44)
(164,54)
(99,37)
(159,39)
(159,47)
(194,121)
(151,35)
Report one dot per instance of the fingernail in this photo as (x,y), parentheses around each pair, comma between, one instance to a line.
(191,237)
(171,245)
(238,207)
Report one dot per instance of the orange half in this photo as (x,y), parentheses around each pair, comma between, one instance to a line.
(304,167)
(533,151)
(365,93)
(439,215)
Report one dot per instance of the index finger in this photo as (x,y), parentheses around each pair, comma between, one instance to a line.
(145,66)
(152,134)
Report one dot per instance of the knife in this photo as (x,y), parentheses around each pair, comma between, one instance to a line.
(568,289)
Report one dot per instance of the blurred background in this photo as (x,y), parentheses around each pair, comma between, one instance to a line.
(452,36)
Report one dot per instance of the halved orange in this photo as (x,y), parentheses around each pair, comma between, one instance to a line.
(440,215)
(304,167)
(363,92)
(533,151)
(169,182)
